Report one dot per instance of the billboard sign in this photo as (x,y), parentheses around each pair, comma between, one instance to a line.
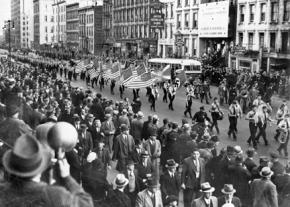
(213,19)
(156,21)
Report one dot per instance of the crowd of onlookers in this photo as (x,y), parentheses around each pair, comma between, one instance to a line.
(155,158)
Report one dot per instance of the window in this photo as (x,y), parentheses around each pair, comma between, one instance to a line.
(261,39)
(45,29)
(251,40)
(185,45)
(166,11)
(186,18)
(178,3)
(171,31)
(286,12)
(285,42)
(193,47)
(274,12)
(45,18)
(242,13)
(263,12)
(178,21)
(272,41)
(186,3)
(171,10)
(194,21)
(165,31)
(252,12)
(241,39)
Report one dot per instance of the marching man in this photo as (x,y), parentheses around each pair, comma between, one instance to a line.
(283,138)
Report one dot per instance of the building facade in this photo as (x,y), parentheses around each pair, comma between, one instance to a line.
(91,37)
(43,23)
(72,27)
(263,36)
(22,18)
(59,17)
(131,28)
(166,41)
(109,41)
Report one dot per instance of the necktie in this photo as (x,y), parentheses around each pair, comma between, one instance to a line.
(265,118)
(153,200)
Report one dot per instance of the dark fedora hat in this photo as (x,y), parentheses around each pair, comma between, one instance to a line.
(152,182)
(171,163)
(27,158)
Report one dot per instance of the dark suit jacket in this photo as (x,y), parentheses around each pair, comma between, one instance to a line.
(86,143)
(136,128)
(117,198)
(135,156)
(250,164)
(169,185)
(188,176)
(106,128)
(137,182)
(122,148)
(236,201)
(97,137)
(103,156)
(277,168)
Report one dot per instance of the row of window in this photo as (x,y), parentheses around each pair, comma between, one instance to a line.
(186,22)
(86,19)
(137,31)
(262,43)
(118,3)
(185,3)
(168,28)
(72,37)
(262,10)
(57,9)
(72,26)
(129,15)
(169,11)
(72,15)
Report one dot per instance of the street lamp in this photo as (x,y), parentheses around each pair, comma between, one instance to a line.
(8,26)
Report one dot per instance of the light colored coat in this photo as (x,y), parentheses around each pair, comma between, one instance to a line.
(264,193)
(144,199)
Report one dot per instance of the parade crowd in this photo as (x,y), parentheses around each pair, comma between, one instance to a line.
(156,159)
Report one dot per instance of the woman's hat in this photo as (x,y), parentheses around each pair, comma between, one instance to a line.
(27,158)
(171,163)
(121,181)
(206,188)
(228,189)
(266,172)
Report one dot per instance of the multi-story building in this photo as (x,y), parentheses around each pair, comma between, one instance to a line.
(59,16)
(21,16)
(166,41)
(109,42)
(43,22)
(263,36)
(91,37)
(131,27)
(72,26)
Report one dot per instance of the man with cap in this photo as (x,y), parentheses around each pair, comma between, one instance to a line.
(24,164)
(108,129)
(229,197)
(153,147)
(123,147)
(169,181)
(132,189)
(193,174)
(137,126)
(263,191)
(277,167)
(249,161)
(145,169)
(118,197)
(151,196)
(201,116)
(284,134)
(206,199)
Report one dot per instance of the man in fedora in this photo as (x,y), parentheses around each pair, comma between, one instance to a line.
(144,168)
(108,129)
(206,199)
(117,197)
(133,186)
(123,147)
(193,174)
(229,197)
(263,191)
(169,181)
(151,196)
(24,164)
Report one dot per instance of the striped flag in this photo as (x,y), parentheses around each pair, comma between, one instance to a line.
(80,67)
(93,73)
(107,66)
(141,69)
(127,75)
(142,81)
(112,73)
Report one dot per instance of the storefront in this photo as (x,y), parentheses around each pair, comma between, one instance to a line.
(242,59)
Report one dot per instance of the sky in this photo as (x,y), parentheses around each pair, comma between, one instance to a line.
(4,12)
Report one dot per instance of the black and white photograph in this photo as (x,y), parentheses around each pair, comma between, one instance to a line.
(144,103)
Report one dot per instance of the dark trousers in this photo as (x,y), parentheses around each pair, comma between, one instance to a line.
(262,132)
(93,81)
(171,99)
(253,131)
(204,96)
(215,116)
(188,196)
(112,89)
(152,107)
(164,95)
(233,126)
(188,110)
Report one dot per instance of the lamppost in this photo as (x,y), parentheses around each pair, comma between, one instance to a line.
(8,26)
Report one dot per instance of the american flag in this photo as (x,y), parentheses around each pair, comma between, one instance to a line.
(141,69)
(79,67)
(142,81)
(112,73)
(93,73)
(106,66)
